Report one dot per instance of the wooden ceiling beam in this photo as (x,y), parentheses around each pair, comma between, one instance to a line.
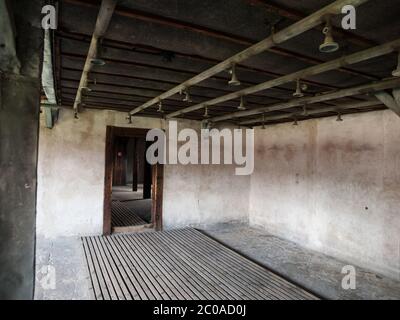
(275,39)
(364,89)
(149,17)
(156,51)
(296,115)
(357,57)
(295,15)
(103,20)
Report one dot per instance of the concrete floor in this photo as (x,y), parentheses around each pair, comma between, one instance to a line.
(125,193)
(318,273)
(314,271)
(64,256)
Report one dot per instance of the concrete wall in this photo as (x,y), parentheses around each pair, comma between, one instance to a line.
(71,179)
(332,187)
(204,194)
(19,121)
(18,159)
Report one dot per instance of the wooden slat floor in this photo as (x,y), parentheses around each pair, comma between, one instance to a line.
(179,264)
(122,216)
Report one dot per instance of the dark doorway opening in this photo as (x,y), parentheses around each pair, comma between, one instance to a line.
(133,187)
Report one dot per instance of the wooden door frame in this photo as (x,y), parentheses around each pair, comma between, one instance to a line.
(157,178)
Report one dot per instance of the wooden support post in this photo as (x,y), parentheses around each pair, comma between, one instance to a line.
(147,177)
(135,165)
(108,178)
(119,174)
(157,196)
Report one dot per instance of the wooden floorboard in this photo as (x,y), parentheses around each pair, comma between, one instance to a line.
(123,216)
(178,265)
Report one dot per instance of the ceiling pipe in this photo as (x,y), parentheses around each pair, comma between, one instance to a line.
(47,70)
(313,112)
(103,20)
(324,67)
(375,86)
(292,31)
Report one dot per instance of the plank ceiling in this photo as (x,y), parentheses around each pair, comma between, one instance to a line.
(151,46)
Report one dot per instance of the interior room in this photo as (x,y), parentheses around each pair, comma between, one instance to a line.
(185,149)
(131,197)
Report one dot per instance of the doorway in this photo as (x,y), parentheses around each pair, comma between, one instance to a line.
(132,187)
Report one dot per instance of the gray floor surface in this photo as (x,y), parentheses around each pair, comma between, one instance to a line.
(316,272)
(61,271)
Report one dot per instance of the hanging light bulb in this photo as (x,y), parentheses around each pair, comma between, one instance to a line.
(305,111)
(241,105)
(298,93)
(160,105)
(205,115)
(234,80)
(339,117)
(187,96)
(85,86)
(396,73)
(263,121)
(329,44)
(129,118)
(94,81)
(98,61)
